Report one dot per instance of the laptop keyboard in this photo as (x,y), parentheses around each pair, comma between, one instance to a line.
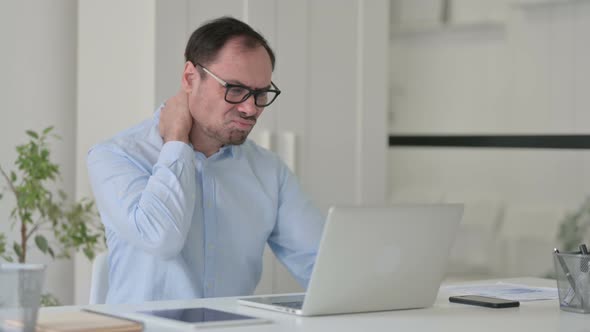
(293,305)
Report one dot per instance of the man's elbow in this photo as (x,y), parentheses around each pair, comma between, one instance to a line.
(162,244)
(166,247)
(160,237)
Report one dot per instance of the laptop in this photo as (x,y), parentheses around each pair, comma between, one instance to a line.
(375,259)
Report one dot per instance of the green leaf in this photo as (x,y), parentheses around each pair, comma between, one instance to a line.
(50,251)
(2,244)
(47,130)
(17,250)
(32,134)
(89,253)
(49,300)
(12,176)
(42,243)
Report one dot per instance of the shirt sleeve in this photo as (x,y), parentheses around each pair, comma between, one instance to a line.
(150,209)
(296,236)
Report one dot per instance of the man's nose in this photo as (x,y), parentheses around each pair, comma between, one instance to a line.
(248,107)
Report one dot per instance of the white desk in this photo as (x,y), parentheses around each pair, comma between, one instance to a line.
(535,316)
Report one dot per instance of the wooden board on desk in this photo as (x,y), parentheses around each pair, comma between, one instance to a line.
(85,321)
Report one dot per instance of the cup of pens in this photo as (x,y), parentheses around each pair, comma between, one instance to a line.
(572,271)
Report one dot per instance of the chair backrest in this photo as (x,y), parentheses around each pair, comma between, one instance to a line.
(100,279)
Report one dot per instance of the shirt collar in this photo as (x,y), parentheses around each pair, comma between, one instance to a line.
(228,150)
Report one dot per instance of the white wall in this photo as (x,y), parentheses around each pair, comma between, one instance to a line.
(116,84)
(526,72)
(38,89)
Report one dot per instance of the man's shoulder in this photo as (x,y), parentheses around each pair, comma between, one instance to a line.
(134,139)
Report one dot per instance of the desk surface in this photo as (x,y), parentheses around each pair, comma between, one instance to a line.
(443,316)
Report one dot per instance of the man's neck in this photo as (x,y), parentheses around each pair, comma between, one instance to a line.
(203,143)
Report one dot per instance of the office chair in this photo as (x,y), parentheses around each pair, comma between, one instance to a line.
(100,279)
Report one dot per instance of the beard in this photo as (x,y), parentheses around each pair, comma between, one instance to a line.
(236,137)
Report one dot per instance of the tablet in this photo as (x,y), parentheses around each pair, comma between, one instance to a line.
(201,317)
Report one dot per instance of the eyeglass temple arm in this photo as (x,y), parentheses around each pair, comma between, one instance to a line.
(222,82)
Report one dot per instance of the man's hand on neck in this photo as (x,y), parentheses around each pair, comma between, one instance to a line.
(175,119)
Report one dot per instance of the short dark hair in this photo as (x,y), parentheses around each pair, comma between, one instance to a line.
(205,43)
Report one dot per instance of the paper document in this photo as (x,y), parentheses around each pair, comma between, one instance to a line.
(505,291)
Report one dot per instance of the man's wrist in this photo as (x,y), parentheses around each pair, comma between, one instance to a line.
(173,151)
(179,138)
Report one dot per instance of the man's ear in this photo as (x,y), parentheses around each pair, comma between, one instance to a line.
(190,77)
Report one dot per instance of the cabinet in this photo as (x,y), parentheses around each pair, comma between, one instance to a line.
(410,16)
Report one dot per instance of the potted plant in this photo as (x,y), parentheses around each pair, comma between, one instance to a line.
(574,227)
(39,212)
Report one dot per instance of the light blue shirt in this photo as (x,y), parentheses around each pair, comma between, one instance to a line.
(180,225)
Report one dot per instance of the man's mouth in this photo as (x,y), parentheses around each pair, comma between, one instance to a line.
(244,124)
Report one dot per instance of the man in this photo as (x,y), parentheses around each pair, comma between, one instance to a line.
(187,201)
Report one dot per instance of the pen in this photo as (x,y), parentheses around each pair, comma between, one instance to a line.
(584,259)
(567,299)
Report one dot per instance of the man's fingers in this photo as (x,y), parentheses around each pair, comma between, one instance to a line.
(175,119)
(182,97)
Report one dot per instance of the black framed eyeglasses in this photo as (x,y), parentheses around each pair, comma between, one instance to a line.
(236,93)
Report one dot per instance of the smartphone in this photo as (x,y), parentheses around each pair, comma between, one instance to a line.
(484,301)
